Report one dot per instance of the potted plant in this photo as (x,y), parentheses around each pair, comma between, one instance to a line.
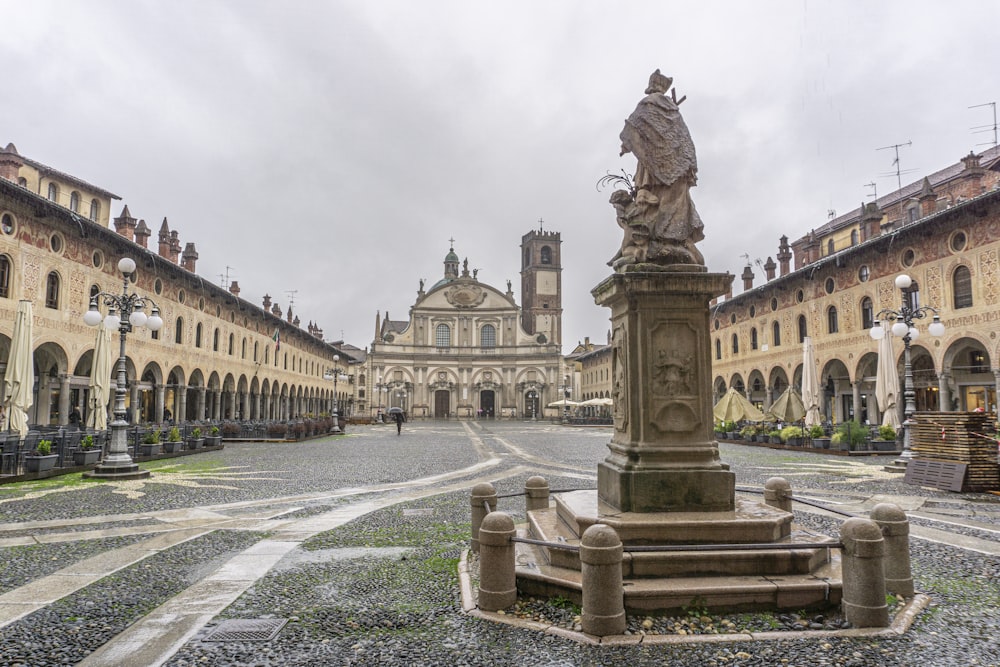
(792,435)
(173,442)
(88,454)
(150,445)
(852,436)
(748,432)
(731,430)
(774,436)
(819,438)
(886,439)
(214,437)
(41,459)
(195,441)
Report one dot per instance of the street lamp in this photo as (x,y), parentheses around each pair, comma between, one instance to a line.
(903,320)
(125,311)
(335,375)
(565,391)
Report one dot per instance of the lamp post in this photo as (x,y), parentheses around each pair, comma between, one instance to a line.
(903,320)
(565,392)
(335,375)
(125,311)
(379,388)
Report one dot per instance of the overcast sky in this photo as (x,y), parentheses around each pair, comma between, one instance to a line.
(333,148)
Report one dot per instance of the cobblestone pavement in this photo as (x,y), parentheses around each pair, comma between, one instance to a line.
(355,541)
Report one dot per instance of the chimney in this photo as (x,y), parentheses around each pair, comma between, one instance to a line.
(125,224)
(871,221)
(164,240)
(267,301)
(927,198)
(10,163)
(784,256)
(175,246)
(769,267)
(142,233)
(276,310)
(189,257)
(296,321)
(747,278)
(972,175)
(234,289)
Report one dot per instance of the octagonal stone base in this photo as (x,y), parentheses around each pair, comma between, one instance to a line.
(685,490)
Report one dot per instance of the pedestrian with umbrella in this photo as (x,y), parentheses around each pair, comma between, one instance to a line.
(397,415)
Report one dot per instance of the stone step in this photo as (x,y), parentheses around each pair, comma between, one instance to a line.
(819,590)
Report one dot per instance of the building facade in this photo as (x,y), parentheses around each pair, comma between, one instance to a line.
(944,232)
(217,355)
(468,350)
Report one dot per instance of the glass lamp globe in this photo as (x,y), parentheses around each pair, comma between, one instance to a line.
(937,327)
(93,316)
(903,281)
(126,265)
(137,318)
(154,322)
(914,334)
(899,329)
(877,332)
(112,321)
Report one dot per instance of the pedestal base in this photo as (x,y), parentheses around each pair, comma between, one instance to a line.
(117,472)
(666,490)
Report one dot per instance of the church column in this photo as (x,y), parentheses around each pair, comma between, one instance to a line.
(769,397)
(944,394)
(133,401)
(217,404)
(182,403)
(856,400)
(199,413)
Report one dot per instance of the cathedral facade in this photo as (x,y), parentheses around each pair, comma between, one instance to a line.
(468,350)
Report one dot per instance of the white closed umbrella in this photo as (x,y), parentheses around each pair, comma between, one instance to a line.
(563,403)
(100,381)
(810,384)
(598,402)
(887,381)
(19,378)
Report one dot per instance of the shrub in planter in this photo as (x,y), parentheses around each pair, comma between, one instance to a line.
(792,435)
(852,436)
(195,441)
(774,436)
(887,439)
(88,454)
(816,431)
(886,432)
(214,436)
(42,458)
(173,442)
(748,432)
(298,430)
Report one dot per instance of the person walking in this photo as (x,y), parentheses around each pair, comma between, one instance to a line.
(399,422)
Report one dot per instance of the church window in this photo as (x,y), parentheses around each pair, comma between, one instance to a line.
(95,209)
(215,341)
(442,336)
(243,349)
(776,334)
(231,340)
(831,320)
(854,237)
(718,348)
(179,330)
(829,247)
(74,201)
(546,255)
(197,335)
(488,336)
(753,338)
(867,313)
(4,276)
(962,284)
(736,344)
(53,192)
(803,329)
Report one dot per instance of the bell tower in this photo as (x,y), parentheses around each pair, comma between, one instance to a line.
(541,284)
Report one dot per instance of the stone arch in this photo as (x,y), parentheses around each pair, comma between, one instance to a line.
(757,388)
(968,367)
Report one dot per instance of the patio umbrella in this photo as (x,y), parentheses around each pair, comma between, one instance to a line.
(563,403)
(734,406)
(887,381)
(598,402)
(810,384)
(100,381)
(19,378)
(788,407)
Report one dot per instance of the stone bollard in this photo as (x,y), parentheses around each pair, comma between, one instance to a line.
(481,493)
(863,576)
(536,493)
(778,493)
(601,569)
(896,531)
(497,580)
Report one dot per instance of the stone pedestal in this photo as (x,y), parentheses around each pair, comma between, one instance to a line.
(664,457)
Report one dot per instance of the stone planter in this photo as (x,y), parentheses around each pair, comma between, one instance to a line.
(883,445)
(794,442)
(821,443)
(195,443)
(149,449)
(86,457)
(40,463)
(172,446)
(212,440)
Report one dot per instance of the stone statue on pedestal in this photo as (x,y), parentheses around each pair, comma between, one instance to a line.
(657,214)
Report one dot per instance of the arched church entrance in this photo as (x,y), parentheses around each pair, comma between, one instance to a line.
(487,403)
(442,404)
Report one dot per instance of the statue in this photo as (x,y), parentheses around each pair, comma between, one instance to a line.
(656,212)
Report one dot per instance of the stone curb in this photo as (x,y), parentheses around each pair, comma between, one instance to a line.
(899,625)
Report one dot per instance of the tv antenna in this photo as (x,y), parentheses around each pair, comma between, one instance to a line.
(831,213)
(874,190)
(225,277)
(291,297)
(895,162)
(746,258)
(979,129)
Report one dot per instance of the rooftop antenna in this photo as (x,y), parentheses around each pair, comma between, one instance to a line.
(874,190)
(291,297)
(831,213)
(746,258)
(225,277)
(979,129)
(898,172)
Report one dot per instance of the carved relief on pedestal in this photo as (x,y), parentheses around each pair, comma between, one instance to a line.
(674,399)
(619,386)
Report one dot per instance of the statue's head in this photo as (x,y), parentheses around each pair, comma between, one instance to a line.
(658,83)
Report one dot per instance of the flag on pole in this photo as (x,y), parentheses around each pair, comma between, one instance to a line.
(277,340)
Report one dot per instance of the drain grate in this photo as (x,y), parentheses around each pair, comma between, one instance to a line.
(246,630)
